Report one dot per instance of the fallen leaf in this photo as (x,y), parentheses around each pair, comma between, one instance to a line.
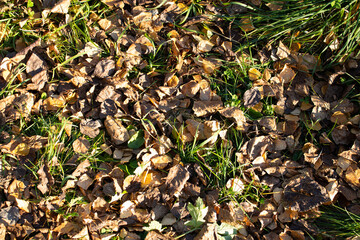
(81,145)
(161,162)
(46,179)
(104,68)
(203,108)
(23,205)
(254,74)
(35,65)
(90,127)
(116,130)
(236,185)
(61,7)
(9,216)
(252,97)
(175,181)
(21,149)
(282,51)
(287,74)
(302,194)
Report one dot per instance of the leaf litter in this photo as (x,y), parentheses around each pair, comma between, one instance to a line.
(111,90)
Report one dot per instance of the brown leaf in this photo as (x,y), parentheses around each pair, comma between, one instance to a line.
(35,65)
(175,181)
(234,113)
(116,130)
(204,46)
(104,68)
(84,181)
(161,162)
(46,179)
(81,145)
(302,194)
(9,216)
(155,235)
(100,204)
(282,51)
(90,127)
(81,168)
(207,232)
(341,135)
(287,74)
(39,80)
(258,145)
(61,7)
(252,97)
(23,205)
(190,89)
(203,108)
(196,129)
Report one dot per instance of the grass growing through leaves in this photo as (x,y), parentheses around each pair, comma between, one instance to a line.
(219,164)
(339,223)
(308,22)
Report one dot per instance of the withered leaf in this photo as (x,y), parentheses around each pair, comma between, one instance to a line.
(234,113)
(341,135)
(104,68)
(175,181)
(84,181)
(203,108)
(303,193)
(258,145)
(81,168)
(9,216)
(252,97)
(81,145)
(160,162)
(61,7)
(46,179)
(116,130)
(35,65)
(90,127)
(190,89)
(207,232)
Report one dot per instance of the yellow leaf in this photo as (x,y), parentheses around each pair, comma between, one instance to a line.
(254,74)
(149,178)
(22,149)
(246,25)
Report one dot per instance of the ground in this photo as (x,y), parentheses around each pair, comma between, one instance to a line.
(179,119)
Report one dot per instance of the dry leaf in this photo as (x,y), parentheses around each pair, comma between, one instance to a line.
(203,108)
(303,193)
(104,68)
(234,113)
(81,145)
(116,130)
(254,74)
(46,179)
(287,74)
(161,162)
(90,127)
(61,7)
(252,97)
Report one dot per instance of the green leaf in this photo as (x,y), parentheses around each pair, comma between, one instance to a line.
(30,4)
(154,225)
(136,140)
(227,231)
(254,114)
(198,213)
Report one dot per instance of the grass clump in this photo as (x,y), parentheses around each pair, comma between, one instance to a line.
(338,222)
(322,27)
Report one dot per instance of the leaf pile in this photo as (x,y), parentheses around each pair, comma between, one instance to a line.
(142,84)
